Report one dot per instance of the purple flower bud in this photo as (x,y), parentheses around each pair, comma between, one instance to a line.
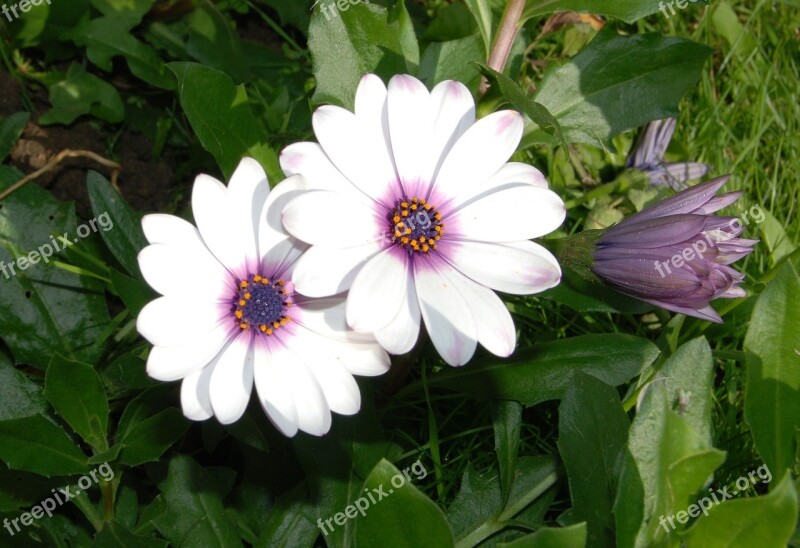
(648,156)
(676,254)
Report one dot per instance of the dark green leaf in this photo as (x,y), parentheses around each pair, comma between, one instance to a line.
(77,394)
(545,371)
(115,535)
(593,431)
(80,93)
(44,309)
(359,39)
(10,132)
(214,43)
(772,399)
(405,517)
(194,514)
(35,444)
(121,226)
(507,419)
(222,118)
(620,82)
(627,10)
(147,440)
(135,293)
(19,396)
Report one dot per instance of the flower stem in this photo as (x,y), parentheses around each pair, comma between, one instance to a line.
(506,33)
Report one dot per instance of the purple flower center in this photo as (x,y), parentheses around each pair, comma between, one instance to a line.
(261,305)
(415,225)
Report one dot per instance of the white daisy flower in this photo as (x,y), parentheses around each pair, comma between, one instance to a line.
(414,210)
(229,315)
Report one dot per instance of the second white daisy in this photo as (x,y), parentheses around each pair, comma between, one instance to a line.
(416,212)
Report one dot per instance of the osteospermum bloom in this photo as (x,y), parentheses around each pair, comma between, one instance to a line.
(676,254)
(416,212)
(648,156)
(229,316)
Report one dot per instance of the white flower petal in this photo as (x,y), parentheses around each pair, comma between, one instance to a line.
(313,413)
(273,380)
(174,321)
(447,315)
(232,380)
(326,317)
(378,291)
(347,141)
(519,268)
(247,192)
(517,172)
(331,219)
(410,120)
(310,161)
(195,400)
(493,321)
(479,153)
(517,213)
(160,228)
(170,363)
(185,272)
(454,113)
(402,333)
(278,249)
(324,271)
(213,214)
(325,359)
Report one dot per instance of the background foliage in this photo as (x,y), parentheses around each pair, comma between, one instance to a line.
(608,416)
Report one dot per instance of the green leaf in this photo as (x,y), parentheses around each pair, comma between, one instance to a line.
(515,95)
(35,444)
(772,350)
(482,12)
(77,394)
(545,371)
(109,36)
(121,226)
(507,419)
(627,10)
(149,426)
(775,238)
(222,119)
(214,43)
(769,520)
(44,309)
(194,514)
(452,60)
(10,131)
(573,536)
(79,93)
(291,521)
(593,431)
(21,489)
(360,39)
(135,293)
(19,396)
(404,517)
(670,455)
(620,82)
(115,535)
(128,372)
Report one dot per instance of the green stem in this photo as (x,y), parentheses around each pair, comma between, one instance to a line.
(85,505)
(506,33)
